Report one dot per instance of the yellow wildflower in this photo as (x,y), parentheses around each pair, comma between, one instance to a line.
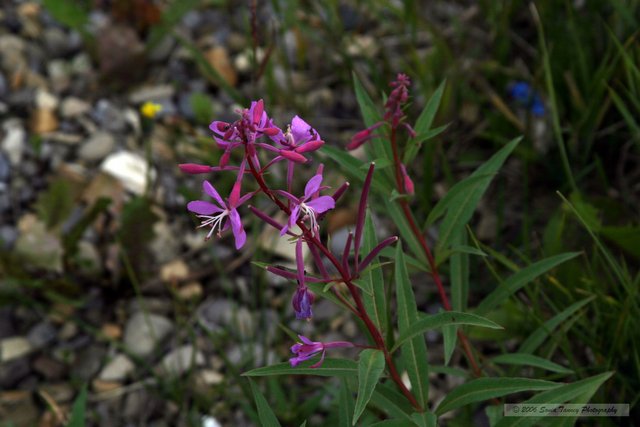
(150,109)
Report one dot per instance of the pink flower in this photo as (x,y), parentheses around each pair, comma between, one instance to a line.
(303,298)
(310,205)
(307,349)
(220,215)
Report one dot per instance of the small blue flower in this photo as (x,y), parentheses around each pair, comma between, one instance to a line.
(524,95)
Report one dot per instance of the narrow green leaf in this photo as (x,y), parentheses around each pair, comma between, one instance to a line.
(398,218)
(375,301)
(520,279)
(530,360)
(442,319)
(386,398)
(368,108)
(370,367)
(468,185)
(355,168)
(416,143)
(329,368)
(559,394)
(345,404)
(450,339)
(391,423)
(459,272)
(461,208)
(536,339)
(414,351)
(482,389)
(73,14)
(425,419)
(78,411)
(266,415)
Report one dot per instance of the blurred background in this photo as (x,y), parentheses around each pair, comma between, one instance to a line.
(105,282)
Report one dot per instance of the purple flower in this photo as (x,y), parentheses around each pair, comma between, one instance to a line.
(307,349)
(303,298)
(310,205)
(221,214)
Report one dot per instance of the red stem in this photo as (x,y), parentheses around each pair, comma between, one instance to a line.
(353,290)
(432,263)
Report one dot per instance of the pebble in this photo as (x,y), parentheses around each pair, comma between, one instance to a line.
(118,369)
(50,368)
(14,141)
(130,169)
(42,334)
(174,271)
(218,58)
(43,120)
(60,392)
(97,147)
(109,117)
(56,41)
(180,360)
(151,93)
(142,333)
(13,371)
(88,362)
(37,245)
(111,331)
(14,348)
(46,100)
(5,168)
(72,107)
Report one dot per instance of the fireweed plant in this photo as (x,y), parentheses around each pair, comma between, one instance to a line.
(356,282)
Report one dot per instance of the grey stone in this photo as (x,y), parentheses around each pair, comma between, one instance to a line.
(5,168)
(14,141)
(131,169)
(143,332)
(8,235)
(180,360)
(88,362)
(109,117)
(97,147)
(151,93)
(13,371)
(14,348)
(119,368)
(56,41)
(42,334)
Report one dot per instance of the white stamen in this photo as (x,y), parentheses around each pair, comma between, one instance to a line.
(213,221)
(308,211)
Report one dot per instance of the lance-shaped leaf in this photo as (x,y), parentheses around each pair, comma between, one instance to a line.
(345,404)
(423,124)
(561,394)
(370,367)
(387,399)
(538,336)
(265,413)
(362,209)
(482,389)
(442,319)
(414,350)
(329,368)
(375,300)
(520,279)
(530,360)
(461,208)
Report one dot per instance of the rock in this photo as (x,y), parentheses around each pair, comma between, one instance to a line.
(130,169)
(88,362)
(109,117)
(5,168)
(42,334)
(151,93)
(111,331)
(180,360)
(37,245)
(72,107)
(13,371)
(100,386)
(143,333)
(164,245)
(224,314)
(81,64)
(51,369)
(190,291)
(18,409)
(118,369)
(97,147)
(46,100)
(14,141)
(60,392)
(14,348)
(43,120)
(174,271)
(8,236)
(252,354)
(218,58)
(209,421)
(210,377)
(56,41)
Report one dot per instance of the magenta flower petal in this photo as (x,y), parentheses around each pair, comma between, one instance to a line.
(322,204)
(312,186)
(293,156)
(310,146)
(238,231)
(194,169)
(306,340)
(300,130)
(208,188)
(203,208)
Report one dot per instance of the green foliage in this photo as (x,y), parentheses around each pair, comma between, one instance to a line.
(202,108)
(78,411)
(370,367)
(265,413)
(55,205)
